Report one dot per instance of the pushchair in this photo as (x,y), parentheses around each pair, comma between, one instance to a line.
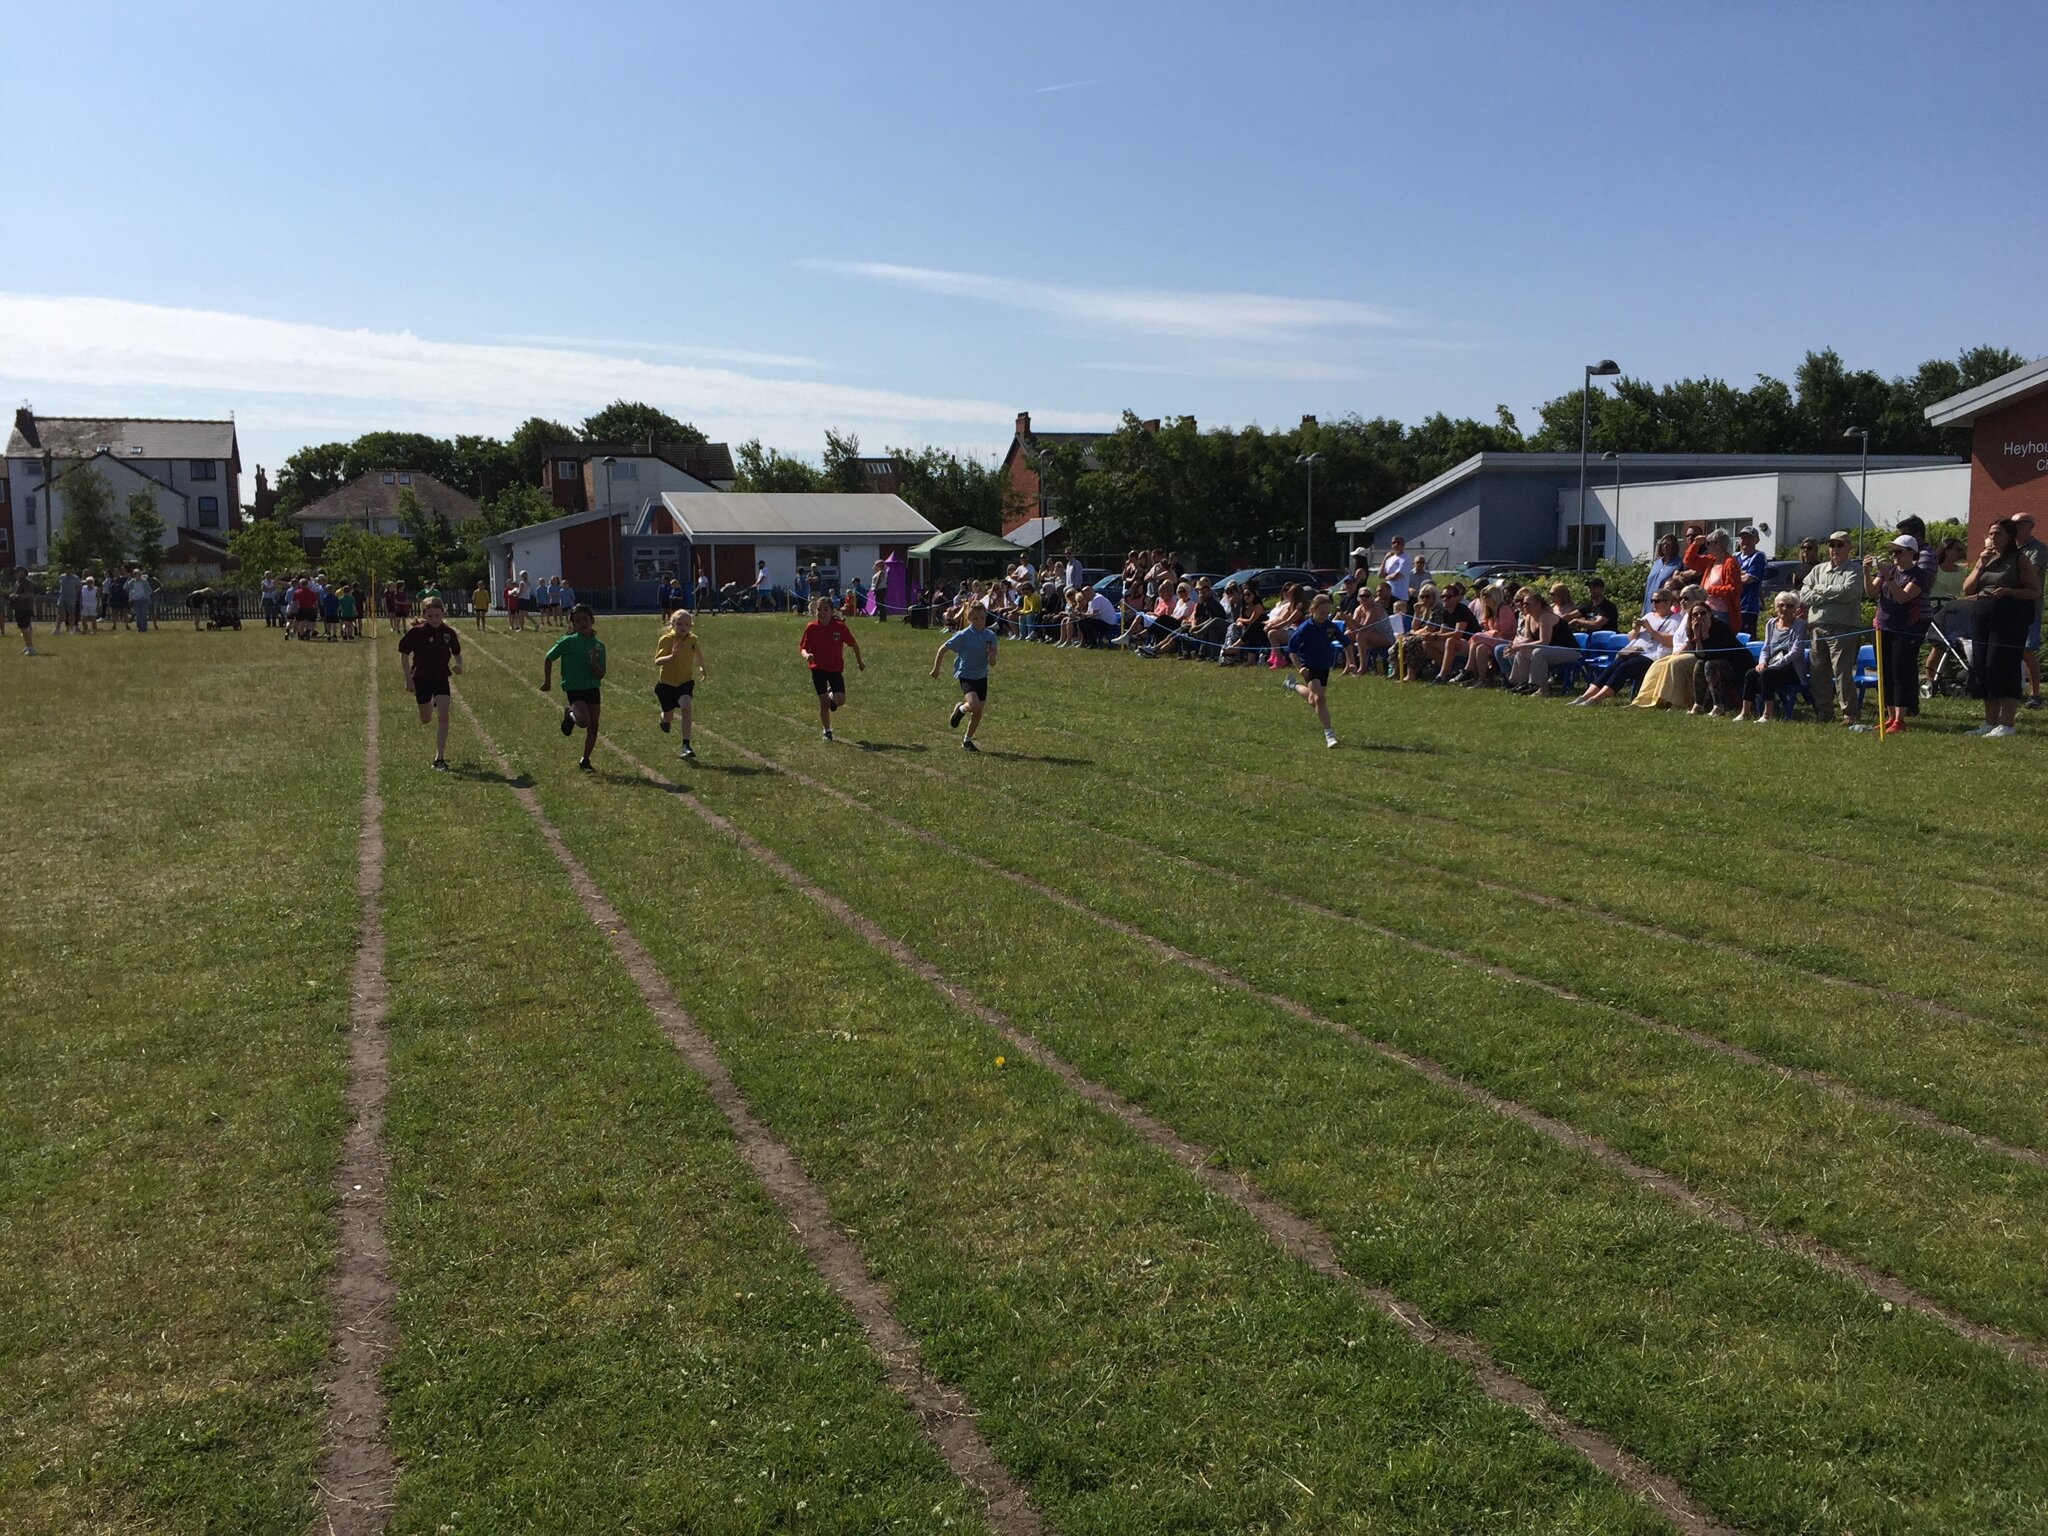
(1947,669)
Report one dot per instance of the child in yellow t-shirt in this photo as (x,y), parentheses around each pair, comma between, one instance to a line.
(678,663)
(1027,613)
(480,604)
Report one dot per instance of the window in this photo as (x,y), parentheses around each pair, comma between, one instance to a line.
(29,504)
(825,557)
(1677,529)
(135,450)
(405,479)
(652,562)
(32,470)
(625,469)
(28,556)
(3,540)
(312,530)
(565,469)
(209,511)
(1595,538)
(202,469)
(389,478)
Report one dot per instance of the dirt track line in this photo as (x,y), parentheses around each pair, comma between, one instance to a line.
(1877,1282)
(942,1412)
(1293,1234)
(1821,1082)
(357,1473)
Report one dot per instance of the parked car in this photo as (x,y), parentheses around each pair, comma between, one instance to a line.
(1781,576)
(1491,570)
(1270,578)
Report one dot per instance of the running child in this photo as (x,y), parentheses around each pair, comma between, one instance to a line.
(21,598)
(581,654)
(1314,648)
(427,654)
(678,663)
(974,652)
(823,648)
(480,604)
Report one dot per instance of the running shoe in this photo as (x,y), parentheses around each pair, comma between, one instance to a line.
(2003,730)
(967,744)
(2034,702)
(1288,683)
(664,725)
(1329,738)
(1980,730)
(568,723)
(953,721)
(440,765)
(688,754)
(828,733)
(584,764)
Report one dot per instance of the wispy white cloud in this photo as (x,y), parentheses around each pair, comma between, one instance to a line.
(1254,318)
(737,356)
(1301,370)
(1064,85)
(280,377)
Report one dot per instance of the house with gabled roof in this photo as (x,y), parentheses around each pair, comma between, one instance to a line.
(576,477)
(1020,473)
(190,469)
(371,502)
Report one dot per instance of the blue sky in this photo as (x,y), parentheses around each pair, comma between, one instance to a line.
(913,221)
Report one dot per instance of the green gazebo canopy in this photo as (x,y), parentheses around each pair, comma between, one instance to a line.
(963,541)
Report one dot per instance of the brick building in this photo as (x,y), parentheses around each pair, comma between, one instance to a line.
(2008,422)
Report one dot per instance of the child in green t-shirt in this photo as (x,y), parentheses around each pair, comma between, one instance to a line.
(581,654)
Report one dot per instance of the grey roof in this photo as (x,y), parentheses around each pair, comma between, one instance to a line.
(770,514)
(2007,389)
(1028,533)
(709,462)
(368,496)
(157,437)
(1710,466)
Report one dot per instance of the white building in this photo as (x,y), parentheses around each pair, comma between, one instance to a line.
(190,470)
(1784,505)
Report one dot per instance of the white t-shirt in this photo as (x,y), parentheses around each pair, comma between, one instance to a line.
(1394,572)
(761,579)
(1075,571)
(1100,607)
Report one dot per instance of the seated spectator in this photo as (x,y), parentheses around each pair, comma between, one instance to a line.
(1484,653)
(1209,623)
(1421,643)
(1368,627)
(1247,632)
(1098,627)
(1650,639)
(1289,611)
(1784,663)
(1597,612)
(1720,662)
(1542,640)
(1668,684)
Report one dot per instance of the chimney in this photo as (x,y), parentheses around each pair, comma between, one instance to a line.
(1309,421)
(650,445)
(1150,426)
(1023,423)
(25,424)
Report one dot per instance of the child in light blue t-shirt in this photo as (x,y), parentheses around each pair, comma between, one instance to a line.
(974,652)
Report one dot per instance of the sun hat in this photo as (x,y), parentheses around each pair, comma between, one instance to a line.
(1906,541)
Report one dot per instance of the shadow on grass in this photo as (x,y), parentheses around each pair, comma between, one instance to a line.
(893,746)
(1039,757)
(1391,746)
(490,776)
(731,770)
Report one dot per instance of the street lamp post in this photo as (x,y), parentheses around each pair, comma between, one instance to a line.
(1603,368)
(1863,493)
(1615,516)
(611,530)
(1309,461)
(1044,507)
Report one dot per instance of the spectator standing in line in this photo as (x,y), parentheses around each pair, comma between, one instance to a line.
(763,587)
(89,605)
(141,596)
(2008,593)
(1077,574)
(1832,594)
(1809,557)
(267,592)
(114,597)
(1663,567)
(330,609)
(703,602)
(1397,569)
(1699,555)
(21,601)
(1755,565)
(67,602)
(2035,553)
(1723,578)
(1894,582)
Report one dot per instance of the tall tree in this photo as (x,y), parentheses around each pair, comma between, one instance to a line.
(529,446)
(951,491)
(367,559)
(768,469)
(634,421)
(89,536)
(268,545)
(145,533)
(310,474)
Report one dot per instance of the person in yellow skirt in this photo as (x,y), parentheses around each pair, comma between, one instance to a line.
(1669,682)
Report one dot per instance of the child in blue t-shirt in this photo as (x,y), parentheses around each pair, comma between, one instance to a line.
(974,652)
(1315,647)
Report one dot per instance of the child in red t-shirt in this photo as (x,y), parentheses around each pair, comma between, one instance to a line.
(823,648)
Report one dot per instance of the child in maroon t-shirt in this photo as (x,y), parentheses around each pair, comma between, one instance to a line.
(823,648)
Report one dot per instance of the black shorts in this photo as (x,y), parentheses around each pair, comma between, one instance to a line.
(978,686)
(1317,675)
(24,614)
(669,695)
(428,689)
(582,695)
(828,682)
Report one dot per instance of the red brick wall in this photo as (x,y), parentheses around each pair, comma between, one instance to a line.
(2005,484)
(567,495)
(1023,491)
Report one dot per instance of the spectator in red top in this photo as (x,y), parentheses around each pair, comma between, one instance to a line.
(823,648)
(1723,579)
(1697,557)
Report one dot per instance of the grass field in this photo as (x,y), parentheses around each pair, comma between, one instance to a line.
(1694,1075)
